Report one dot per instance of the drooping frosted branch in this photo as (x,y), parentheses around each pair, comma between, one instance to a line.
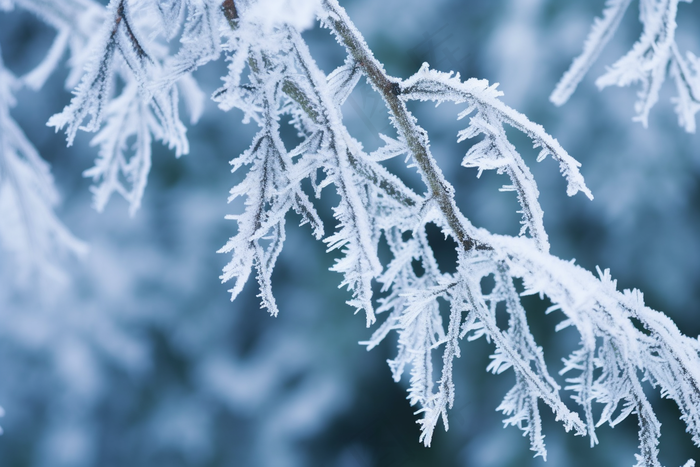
(593,305)
(601,32)
(654,56)
(272,78)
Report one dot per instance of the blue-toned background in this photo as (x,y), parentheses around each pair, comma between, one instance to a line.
(141,360)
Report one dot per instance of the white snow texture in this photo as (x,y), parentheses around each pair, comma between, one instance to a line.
(271,73)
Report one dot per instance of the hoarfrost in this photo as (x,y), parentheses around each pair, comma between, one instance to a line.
(271,77)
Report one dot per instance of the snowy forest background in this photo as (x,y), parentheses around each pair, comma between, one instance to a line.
(141,359)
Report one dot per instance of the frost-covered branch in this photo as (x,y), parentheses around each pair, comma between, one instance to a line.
(146,108)
(654,56)
(272,78)
(501,258)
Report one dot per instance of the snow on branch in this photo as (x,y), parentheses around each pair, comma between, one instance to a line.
(602,31)
(602,315)
(129,95)
(654,56)
(127,51)
(269,195)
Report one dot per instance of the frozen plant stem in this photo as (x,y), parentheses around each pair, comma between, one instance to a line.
(614,357)
(653,58)
(390,89)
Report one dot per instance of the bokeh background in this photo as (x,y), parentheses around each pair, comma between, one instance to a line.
(140,359)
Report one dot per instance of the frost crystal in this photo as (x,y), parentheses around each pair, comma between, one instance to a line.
(273,78)
(653,56)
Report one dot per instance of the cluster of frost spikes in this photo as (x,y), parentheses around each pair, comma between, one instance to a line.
(654,56)
(130,48)
(271,75)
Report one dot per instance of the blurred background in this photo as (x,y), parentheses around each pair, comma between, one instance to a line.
(140,359)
